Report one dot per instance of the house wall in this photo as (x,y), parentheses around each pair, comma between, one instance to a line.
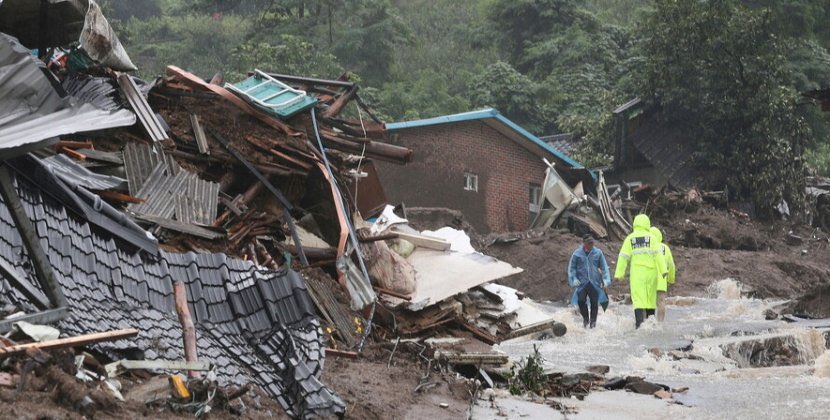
(435,177)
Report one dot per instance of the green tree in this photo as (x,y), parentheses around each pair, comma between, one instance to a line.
(511,93)
(367,45)
(288,55)
(718,67)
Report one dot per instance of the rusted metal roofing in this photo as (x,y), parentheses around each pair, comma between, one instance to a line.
(32,112)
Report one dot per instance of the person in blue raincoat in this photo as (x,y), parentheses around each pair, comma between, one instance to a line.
(588,275)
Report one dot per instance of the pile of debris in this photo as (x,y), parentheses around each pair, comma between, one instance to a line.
(214,220)
(79,381)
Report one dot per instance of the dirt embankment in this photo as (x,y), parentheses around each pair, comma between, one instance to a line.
(373,390)
(708,245)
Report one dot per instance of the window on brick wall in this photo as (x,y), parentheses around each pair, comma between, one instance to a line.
(470,182)
(535,201)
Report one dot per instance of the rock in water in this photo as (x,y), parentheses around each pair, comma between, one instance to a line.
(598,369)
(663,394)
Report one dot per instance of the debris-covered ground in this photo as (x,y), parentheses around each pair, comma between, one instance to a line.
(186,247)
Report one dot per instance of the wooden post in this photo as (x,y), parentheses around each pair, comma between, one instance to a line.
(188,330)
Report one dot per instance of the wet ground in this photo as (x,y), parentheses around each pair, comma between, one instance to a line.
(739,366)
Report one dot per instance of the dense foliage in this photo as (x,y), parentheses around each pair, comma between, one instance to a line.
(732,69)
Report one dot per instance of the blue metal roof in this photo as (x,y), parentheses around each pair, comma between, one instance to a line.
(487,113)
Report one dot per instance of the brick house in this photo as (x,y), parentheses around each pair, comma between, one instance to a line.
(479,163)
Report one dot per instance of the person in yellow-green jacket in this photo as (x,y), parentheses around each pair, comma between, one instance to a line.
(664,282)
(641,250)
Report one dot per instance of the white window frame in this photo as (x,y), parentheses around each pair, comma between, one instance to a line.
(534,206)
(470,182)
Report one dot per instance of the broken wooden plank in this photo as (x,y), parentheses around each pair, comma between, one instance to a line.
(472,358)
(392,293)
(116,368)
(194,81)
(199,133)
(424,241)
(375,238)
(297,162)
(341,353)
(535,328)
(478,332)
(77,341)
(337,313)
(124,198)
(72,144)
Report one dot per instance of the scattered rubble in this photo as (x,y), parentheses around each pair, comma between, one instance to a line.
(212,223)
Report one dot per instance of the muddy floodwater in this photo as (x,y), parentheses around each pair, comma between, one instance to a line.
(736,364)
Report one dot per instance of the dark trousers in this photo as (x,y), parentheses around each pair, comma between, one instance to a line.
(589,291)
(640,315)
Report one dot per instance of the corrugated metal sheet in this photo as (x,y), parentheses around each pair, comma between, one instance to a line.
(99,91)
(74,174)
(139,104)
(199,133)
(160,191)
(109,157)
(139,162)
(32,112)
(199,204)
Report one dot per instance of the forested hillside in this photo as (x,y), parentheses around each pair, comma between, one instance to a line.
(732,69)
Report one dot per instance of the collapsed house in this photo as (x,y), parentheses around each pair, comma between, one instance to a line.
(245,202)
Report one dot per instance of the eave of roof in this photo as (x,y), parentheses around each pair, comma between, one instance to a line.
(626,106)
(494,119)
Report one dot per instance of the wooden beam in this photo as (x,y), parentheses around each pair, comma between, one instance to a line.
(472,358)
(77,341)
(188,329)
(392,293)
(424,241)
(117,196)
(341,353)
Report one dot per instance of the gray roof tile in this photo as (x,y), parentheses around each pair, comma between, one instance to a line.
(262,315)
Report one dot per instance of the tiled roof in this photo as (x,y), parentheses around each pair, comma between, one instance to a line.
(564,143)
(668,149)
(487,115)
(253,324)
